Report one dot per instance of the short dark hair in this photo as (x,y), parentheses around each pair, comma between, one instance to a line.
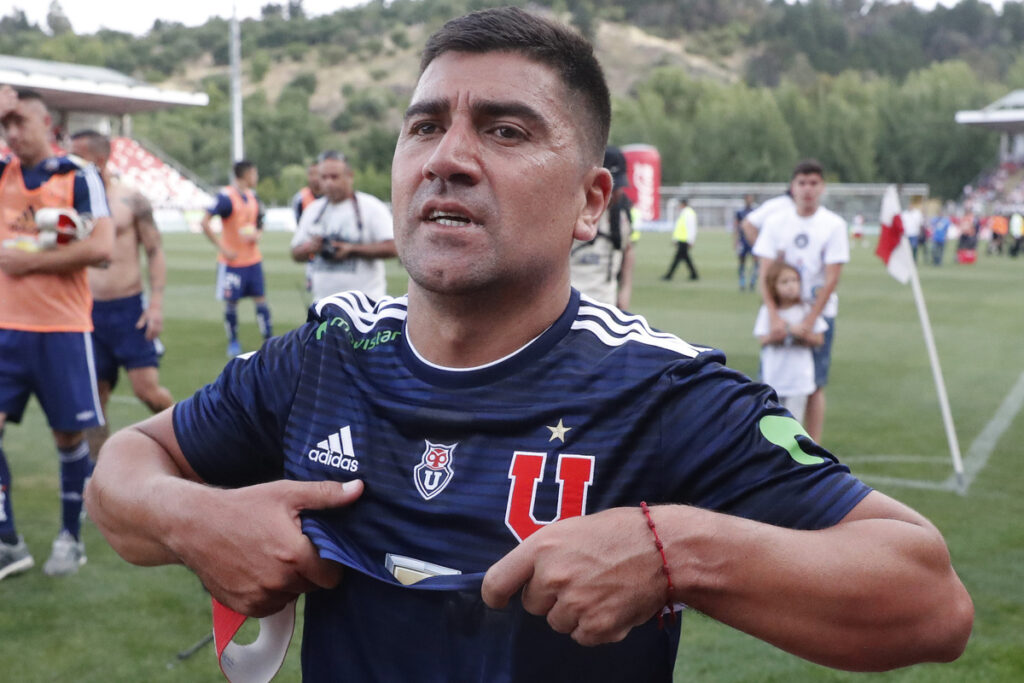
(568,53)
(242,167)
(331,155)
(98,142)
(808,167)
(29,94)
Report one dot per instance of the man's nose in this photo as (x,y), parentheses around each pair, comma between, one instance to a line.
(456,158)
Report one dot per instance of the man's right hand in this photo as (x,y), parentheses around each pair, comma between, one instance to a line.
(8,100)
(247,546)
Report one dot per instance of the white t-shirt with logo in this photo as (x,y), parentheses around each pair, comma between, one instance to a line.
(322,218)
(808,244)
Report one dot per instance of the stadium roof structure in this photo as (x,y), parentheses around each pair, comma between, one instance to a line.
(74,87)
(1005,115)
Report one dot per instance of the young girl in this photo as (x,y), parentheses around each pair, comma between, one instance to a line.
(787,364)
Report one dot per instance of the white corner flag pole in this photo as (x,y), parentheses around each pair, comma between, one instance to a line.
(940,385)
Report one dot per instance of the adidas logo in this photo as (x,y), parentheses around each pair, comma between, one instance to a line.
(336,451)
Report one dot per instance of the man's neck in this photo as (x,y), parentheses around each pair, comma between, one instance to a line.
(806,211)
(476,329)
(242,186)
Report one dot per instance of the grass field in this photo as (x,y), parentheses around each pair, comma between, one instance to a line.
(116,622)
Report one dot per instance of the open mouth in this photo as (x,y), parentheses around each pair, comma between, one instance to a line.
(449,219)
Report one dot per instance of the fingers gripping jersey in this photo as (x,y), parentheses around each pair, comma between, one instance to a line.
(460,465)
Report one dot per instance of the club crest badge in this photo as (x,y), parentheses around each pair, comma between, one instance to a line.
(435,469)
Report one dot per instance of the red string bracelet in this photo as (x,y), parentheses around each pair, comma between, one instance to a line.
(664,568)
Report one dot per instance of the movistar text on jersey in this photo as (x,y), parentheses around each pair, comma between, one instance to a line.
(358,343)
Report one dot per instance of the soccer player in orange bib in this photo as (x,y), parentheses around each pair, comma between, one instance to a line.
(239,262)
(45,321)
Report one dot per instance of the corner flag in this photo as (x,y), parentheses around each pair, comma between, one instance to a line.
(892,248)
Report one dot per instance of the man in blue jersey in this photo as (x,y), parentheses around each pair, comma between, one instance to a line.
(474,454)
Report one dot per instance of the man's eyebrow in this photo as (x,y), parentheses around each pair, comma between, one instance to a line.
(488,109)
(426,107)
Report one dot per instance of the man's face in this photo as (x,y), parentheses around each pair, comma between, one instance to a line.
(251,177)
(80,147)
(807,189)
(27,130)
(336,180)
(489,181)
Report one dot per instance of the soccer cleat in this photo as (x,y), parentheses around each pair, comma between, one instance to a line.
(14,558)
(66,557)
(234,349)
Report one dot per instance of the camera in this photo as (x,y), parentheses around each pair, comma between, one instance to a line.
(327,249)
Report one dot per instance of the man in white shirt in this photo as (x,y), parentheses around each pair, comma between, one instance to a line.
(814,240)
(913,220)
(345,235)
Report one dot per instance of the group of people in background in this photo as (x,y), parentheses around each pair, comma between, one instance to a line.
(83,311)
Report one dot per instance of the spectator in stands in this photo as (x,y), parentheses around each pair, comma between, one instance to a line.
(310,193)
(240,263)
(345,235)
(599,267)
(685,236)
(126,325)
(44,314)
(815,239)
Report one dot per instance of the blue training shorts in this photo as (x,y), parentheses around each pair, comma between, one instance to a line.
(823,354)
(236,283)
(58,368)
(116,341)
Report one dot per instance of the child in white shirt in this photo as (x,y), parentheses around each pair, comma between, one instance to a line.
(787,364)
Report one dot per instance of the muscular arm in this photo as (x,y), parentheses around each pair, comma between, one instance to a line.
(245,544)
(156,263)
(95,250)
(874,592)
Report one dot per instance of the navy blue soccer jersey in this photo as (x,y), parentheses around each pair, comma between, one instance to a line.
(460,465)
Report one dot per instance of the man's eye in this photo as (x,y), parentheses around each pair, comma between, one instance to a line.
(508,132)
(423,128)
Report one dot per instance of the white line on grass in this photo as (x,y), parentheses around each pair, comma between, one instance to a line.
(976,458)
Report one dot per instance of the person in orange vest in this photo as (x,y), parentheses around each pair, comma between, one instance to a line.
(239,262)
(310,193)
(46,202)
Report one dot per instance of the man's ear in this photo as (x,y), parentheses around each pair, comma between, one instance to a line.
(597,189)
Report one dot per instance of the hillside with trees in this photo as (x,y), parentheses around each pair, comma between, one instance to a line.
(728,90)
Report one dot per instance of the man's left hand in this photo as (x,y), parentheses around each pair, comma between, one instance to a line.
(152,321)
(594,577)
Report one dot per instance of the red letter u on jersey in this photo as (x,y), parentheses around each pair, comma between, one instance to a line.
(575,474)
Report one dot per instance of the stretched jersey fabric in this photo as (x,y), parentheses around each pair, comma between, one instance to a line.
(238,212)
(599,411)
(46,302)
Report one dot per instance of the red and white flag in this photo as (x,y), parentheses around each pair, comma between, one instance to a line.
(893,248)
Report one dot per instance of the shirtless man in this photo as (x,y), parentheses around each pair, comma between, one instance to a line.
(126,331)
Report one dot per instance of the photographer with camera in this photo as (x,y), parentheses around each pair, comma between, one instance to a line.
(344,235)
